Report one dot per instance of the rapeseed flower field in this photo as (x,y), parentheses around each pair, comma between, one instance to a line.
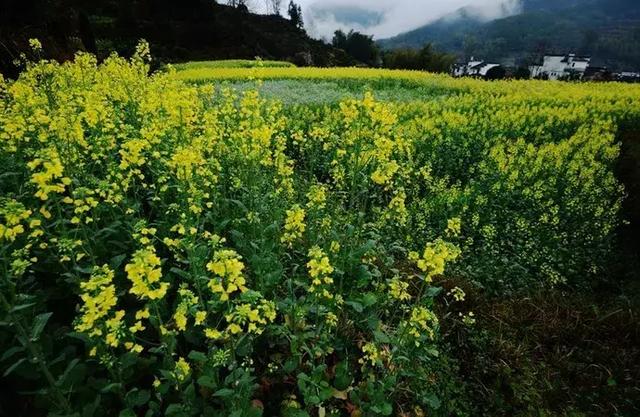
(172,246)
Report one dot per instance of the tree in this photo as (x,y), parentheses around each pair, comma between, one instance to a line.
(361,47)
(424,59)
(295,14)
(339,39)
(239,3)
(522,73)
(590,39)
(273,6)
(86,33)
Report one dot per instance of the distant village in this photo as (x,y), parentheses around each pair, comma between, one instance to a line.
(568,67)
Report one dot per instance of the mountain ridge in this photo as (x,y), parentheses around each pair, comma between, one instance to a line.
(608,30)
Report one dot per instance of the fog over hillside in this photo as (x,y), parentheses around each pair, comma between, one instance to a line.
(384,18)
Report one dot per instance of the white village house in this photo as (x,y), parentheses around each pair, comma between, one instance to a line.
(475,68)
(555,67)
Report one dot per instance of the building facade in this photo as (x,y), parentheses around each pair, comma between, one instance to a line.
(475,68)
(555,67)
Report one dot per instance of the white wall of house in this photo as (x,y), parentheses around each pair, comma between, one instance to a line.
(558,66)
(484,70)
(472,68)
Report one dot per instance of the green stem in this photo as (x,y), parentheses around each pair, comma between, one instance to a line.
(35,357)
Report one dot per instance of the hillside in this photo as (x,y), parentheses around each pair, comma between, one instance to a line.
(176,31)
(609,30)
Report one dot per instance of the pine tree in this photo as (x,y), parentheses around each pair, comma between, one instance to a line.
(295,14)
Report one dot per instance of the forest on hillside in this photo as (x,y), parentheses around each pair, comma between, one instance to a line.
(177,31)
(607,30)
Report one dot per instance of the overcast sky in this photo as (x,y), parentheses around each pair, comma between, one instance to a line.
(384,18)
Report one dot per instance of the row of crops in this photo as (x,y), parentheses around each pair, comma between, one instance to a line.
(185,248)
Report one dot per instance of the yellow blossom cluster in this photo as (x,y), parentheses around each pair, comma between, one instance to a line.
(49,178)
(434,258)
(398,289)
(454,226)
(317,196)
(182,369)
(144,273)
(14,214)
(99,321)
(144,234)
(188,303)
(397,210)
(227,268)
(82,203)
(294,225)
(185,161)
(421,325)
(320,271)
(250,319)
(374,355)
(371,354)
(99,298)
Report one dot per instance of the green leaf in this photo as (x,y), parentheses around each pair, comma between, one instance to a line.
(181,273)
(312,399)
(13,367)
(342,379)
(224,392)
(21,307)
(290,365)
(38,325)
(294,412)
(127,413)
(381,337)
(197,356)
(89,410)
(69,368)
(84,270)
(117,260)
(358,253)
(254,412)
(386,409)
(113,387)
(244,347)
(432,400)
(240,205)
(369,299)
(137,398)
(175,410)
(207,382)
(356,306)
(10,352)
(432,291)
(362,275)
(433,352)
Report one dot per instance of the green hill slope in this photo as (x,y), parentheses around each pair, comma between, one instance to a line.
(609,30)
(177,31)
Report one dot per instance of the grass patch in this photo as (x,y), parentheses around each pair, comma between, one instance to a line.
(231,63)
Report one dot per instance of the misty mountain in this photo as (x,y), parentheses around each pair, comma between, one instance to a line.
(608,30)
(346,15)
